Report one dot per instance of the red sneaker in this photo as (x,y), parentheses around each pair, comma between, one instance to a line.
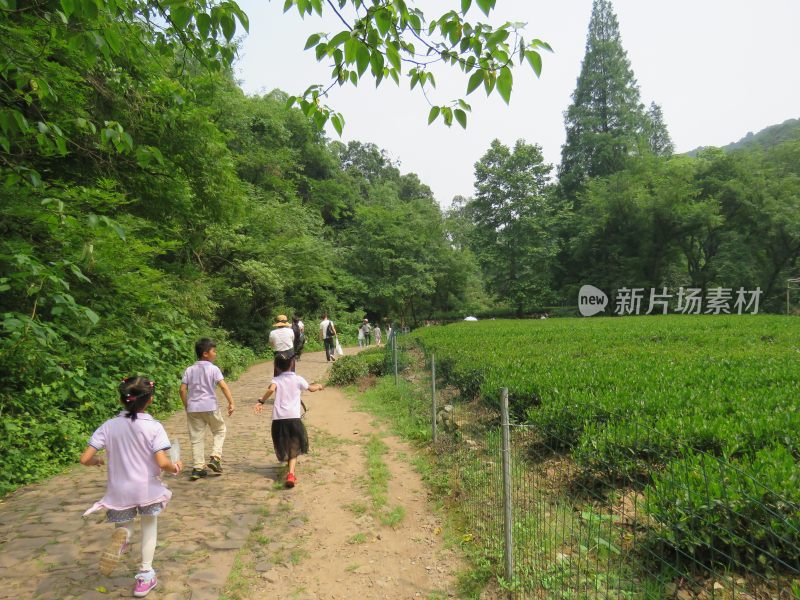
(290,480)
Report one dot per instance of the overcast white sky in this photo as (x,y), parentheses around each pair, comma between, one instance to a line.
(718,68)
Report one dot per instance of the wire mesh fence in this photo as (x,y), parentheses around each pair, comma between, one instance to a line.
(698,528)
(614,519)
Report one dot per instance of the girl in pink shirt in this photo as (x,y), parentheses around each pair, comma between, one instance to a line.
(135,446)
(289,436)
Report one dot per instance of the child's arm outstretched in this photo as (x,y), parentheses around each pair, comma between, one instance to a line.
(166,464)
(227,391)
(316,387)
(259,406)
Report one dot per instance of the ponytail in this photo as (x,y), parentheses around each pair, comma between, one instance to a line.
(135,393)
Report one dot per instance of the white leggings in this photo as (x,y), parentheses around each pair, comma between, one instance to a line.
(149,538)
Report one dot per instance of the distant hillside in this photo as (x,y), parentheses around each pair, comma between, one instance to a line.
(766,138)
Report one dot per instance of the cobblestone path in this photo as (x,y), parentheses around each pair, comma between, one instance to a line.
(48,551)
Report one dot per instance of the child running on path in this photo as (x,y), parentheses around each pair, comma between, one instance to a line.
(135,446)
(200,401)
(289,436)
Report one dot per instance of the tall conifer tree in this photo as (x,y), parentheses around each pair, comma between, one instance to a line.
(658,136)
(606,118)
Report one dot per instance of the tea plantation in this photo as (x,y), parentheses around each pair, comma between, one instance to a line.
(700,413)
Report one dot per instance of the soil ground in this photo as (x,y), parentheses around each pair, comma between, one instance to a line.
(242,534)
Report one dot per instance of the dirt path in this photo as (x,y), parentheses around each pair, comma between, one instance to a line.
(242,533)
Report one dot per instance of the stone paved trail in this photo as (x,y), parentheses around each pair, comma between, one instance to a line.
(242,534)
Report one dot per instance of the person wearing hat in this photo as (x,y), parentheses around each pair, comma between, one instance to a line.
(281,339)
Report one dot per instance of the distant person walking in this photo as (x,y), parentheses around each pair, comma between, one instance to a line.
(361,336)
(289,437)
(367,332)
(377,332)
(199,398)
(135,445)
(327,333)
(299,330)
(281,340)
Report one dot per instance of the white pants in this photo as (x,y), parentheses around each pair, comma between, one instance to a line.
(197,421)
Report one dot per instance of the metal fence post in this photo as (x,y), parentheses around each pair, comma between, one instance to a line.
(394,351)
(508,522)
(433,396)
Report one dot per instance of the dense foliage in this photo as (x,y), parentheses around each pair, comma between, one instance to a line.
(146,201)
(703,409)
(349,369)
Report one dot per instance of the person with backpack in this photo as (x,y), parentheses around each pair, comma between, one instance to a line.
(299,330)
(327,333)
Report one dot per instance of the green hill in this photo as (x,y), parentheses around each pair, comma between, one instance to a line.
(766,138)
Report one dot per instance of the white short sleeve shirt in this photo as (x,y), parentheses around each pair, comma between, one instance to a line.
(134,477)
(287,396)
(202,379)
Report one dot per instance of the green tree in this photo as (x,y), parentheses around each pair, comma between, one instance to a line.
(511,224)
(660,142)
(606,118)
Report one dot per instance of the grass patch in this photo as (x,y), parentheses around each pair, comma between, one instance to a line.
(358,538)
(393,517)
(326,441)
(404,407)
(239,583)
(378,476)
(357,508)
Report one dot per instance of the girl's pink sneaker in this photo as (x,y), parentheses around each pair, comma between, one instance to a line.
(144,583)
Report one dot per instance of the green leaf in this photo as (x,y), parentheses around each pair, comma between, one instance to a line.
(474,81)
(461,117)
(320,118)
(91,315)
(339,39)
(376,60)
(242,16)
(383,20)
(447,115)
(338,123)
(362,58)
(435,110)
(393,55)
(180,16)
(485,6)
(535,61)
(203,22)
(228,26)
(465,4)
(312,40)
(68,6)
(505,81)
(350,50)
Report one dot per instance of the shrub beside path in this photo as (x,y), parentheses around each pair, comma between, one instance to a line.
(241,535)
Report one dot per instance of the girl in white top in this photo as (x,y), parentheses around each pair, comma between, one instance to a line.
(289,437)
(135,446)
